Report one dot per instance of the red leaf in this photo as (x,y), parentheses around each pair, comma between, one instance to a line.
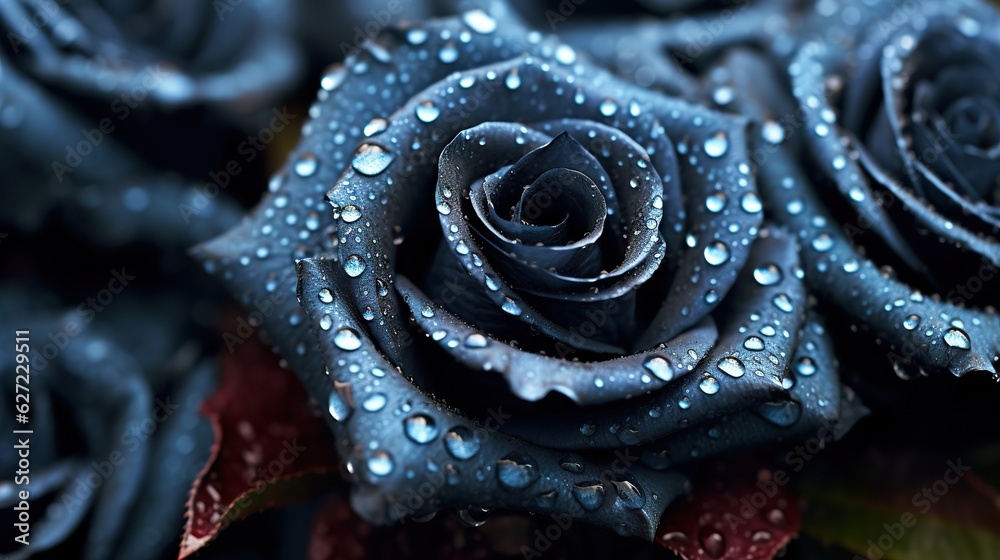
(269,448)
(733,512)
(339,533)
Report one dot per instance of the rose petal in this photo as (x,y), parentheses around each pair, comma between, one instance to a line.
(419,441)
(531,376)
(745,368)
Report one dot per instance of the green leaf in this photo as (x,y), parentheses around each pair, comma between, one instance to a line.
(902,506)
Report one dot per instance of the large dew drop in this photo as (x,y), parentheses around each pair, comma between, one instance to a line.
(480,21)
(731,366)
(709,385)
(517,471)
(716,145)
(629,491)
(347,339)
(420,428)
(306,165)
(589,494)
(767,275)
(461,443)
(371,159)
(374,403)
(428,112)
(338,407)
(716,253)
(380,463)
(354,266)
(956,338)
(660,367)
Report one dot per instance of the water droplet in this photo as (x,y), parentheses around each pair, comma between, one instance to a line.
(547,500)
(760,536)
(416,36)
(805,366)
(333,77)
(660,367)
(428,112)
(709,385)
(723,95)
(712,542)
(338,407)
(572,463)
(776,517)
(380,463)
(375,403)
(371,159)
(375,126)
(479,21)
(510,306)
(751,203)
(717,145)
(588,429)
(715,202)
(517,471)
(565,54)
(911,322)
(732,366)
(767,275)
(753,343)
(325,296)
(822,242)
(956,338)
(306,164)
(427,311)
(783,413)
(325,322)
(347,339)
(513,80)
(354,266)
(461,443)
(350,213)
(782,302)
(822,130)
(629,491)
(772,132)
(448,54)
(474,516)
(589,494)
(608,107)
(684,403)
(420,428)
(444,208)
(716,253)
